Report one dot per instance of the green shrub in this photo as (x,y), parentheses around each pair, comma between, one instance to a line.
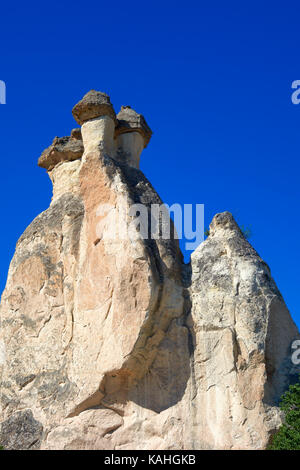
(288,436)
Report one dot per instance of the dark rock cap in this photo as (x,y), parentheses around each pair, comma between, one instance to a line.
(63,149)
(130,121)
(94,104)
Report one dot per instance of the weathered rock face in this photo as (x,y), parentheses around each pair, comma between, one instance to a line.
(62,149)
(242,337)
(105,343)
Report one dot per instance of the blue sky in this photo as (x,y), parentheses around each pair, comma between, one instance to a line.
(213,80)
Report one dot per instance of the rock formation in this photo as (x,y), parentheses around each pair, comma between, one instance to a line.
(113,342)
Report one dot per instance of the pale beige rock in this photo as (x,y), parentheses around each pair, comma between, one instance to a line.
(90,431)
(72,299)
(98,136)
(130,147)
(113,343)
(65,179)
(238,315)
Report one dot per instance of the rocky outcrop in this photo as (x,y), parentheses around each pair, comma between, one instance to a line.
(107,340)
(129,121)
(242,337)
(63,149)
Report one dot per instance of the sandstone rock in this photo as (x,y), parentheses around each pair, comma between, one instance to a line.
(242,334)
(89,431)
(108,341)
(73,297)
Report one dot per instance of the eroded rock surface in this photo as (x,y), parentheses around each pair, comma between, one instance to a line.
(61,150)
(243,333)
(109,341)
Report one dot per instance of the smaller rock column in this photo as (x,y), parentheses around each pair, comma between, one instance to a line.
(132,135)
(62,161)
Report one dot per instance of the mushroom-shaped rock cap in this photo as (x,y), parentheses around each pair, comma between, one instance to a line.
(130,121)
(63,149)
(94,104)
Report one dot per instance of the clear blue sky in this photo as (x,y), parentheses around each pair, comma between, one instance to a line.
(214,82)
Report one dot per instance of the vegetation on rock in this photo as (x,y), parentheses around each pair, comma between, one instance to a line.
(288,436)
